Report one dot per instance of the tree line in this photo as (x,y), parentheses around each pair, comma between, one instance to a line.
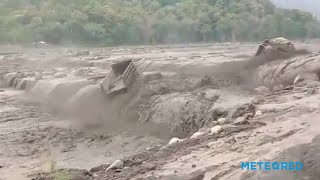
(117,22)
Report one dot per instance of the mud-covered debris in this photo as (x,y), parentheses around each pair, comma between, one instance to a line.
(216,130)
(118,164)
(240,120)
(206,81)
(197,135)
(237,112)
(222,121)
(277,44)
(249,115)
(281,44)
(240,110)
(262,90)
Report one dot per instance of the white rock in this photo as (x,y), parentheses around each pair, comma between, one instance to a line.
(216,130)
(174,141)
(258,113)
(197,135)
(222,121)
(118,164)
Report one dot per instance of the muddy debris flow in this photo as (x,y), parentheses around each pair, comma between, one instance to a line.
(189,112)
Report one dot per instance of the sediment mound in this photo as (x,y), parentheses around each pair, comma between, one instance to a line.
(284,72)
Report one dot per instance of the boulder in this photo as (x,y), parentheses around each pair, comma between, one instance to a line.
(174,141)
(222,121)
(118,164)
(216,130)
(197,135)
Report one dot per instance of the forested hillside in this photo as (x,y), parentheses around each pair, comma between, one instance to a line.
(115,22)
(312,6)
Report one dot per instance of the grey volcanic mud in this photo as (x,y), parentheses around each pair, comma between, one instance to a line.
(63,120)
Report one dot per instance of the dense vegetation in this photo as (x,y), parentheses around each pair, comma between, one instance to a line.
(114,22)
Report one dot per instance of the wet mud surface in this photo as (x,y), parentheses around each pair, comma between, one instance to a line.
(40,140)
